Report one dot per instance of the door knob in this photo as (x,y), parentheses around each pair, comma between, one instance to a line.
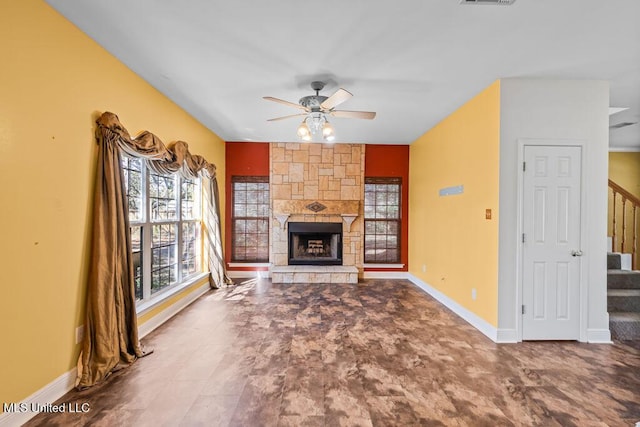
(576,252)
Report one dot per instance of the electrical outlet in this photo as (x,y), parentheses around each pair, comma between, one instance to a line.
(474,294)
(79,334)
(424,268)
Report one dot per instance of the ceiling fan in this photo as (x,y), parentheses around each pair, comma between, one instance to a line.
(316,109)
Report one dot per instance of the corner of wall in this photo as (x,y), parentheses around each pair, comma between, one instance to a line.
(473,319)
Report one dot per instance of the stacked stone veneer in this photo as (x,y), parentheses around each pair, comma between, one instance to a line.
(303,173)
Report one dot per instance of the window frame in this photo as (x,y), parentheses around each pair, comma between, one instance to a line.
(235,179)
(397,181)
(146,224)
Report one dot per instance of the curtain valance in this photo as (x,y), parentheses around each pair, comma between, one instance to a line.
(161,158)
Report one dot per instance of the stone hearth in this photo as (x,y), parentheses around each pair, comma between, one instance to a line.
(314,274)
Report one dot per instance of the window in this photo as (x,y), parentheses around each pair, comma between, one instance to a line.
(250,219)
(165,221)
(382,220)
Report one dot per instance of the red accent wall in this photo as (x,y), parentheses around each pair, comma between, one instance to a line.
(392,161)
(252,159)
(242,159)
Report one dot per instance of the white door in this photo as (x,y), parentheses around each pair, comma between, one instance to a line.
(551,243)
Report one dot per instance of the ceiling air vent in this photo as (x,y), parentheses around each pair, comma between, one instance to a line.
(494,2)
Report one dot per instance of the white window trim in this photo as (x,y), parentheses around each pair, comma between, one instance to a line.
(166,293)
(383,265)
(248,264)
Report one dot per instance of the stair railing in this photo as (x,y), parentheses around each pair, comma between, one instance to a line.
(625,197)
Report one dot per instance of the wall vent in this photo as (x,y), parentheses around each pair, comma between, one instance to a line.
(493,2)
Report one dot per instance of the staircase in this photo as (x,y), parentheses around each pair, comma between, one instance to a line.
(623,298)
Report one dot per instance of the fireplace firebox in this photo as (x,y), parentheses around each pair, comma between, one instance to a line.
(315,243)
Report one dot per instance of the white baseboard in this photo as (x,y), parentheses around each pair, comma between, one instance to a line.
(169,312)
(385,275)
(508,336)
(599,336)
(473,319)
(48,394)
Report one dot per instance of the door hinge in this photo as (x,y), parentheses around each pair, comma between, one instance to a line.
(523,238)
(524,166)
(522,308)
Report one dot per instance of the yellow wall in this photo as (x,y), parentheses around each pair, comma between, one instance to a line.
(54,83)
(624,169)
(450,235)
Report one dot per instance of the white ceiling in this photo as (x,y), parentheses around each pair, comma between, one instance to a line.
(412,61)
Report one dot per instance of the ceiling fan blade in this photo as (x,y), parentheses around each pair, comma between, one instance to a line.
(286,117)
(336,99)
(369,115)
(282,101)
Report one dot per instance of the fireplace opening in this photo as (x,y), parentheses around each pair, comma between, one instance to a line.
(315,243)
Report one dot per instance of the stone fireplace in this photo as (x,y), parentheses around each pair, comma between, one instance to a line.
(316,184)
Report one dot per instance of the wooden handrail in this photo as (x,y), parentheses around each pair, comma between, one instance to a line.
(626,196)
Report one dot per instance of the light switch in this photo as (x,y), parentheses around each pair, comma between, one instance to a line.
(487,213)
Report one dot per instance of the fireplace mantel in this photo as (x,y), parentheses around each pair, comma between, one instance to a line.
(347,209)
(331,207)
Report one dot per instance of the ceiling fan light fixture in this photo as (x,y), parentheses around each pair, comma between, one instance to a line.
(328,133)
(304,132)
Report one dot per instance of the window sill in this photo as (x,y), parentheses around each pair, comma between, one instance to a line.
(164,295)
(383,265)
(248,264)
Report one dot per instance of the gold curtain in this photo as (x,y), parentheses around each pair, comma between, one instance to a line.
(213,231)
(111,327)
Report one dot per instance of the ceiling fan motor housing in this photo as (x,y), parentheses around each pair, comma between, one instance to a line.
(312,102)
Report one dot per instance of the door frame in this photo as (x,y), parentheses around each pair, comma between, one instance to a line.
(583,288)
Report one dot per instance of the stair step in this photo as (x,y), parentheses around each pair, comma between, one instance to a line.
(623,279)
(619,261)
(621,300)
(624,325)
(614,261)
